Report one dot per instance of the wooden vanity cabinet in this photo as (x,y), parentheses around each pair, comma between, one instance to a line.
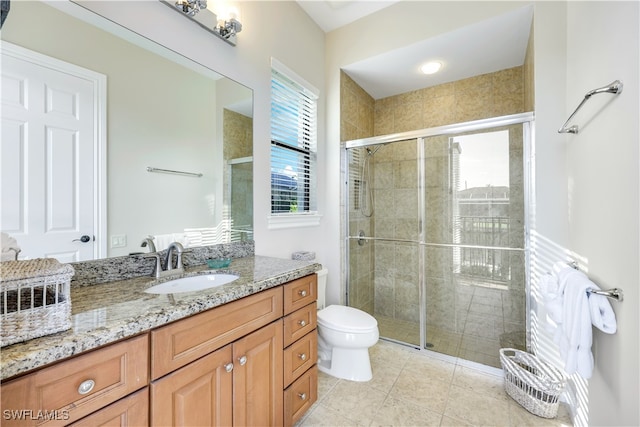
(240,384)
(71,389)
(251,362)
(300,347)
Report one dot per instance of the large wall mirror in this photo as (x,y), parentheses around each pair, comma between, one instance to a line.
(177,142)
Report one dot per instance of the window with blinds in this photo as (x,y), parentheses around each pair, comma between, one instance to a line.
(293,146)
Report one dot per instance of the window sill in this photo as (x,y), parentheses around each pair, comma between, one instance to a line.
(293,220)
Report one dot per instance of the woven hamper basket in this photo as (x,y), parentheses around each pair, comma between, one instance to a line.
(534,384)
(35,299)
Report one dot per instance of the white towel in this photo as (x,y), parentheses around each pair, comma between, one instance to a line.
(574,336)
(602,315)
(162,241)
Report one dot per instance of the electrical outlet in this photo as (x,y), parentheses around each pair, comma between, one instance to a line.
(119,241)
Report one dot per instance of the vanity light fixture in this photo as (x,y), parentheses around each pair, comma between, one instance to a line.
(196,10)
(431,67)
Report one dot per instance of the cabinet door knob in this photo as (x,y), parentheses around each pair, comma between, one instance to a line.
(228,367)
(302,396)
(302,356)
(302,323)
(303,293)
(242,360)
(86,386)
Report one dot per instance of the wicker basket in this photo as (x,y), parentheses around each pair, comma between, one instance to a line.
(532,383)
(35,299)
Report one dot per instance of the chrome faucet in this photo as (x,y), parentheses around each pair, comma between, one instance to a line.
(169,270)
(148,241)
(168,262)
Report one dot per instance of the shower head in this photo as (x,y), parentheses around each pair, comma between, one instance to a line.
(371,152)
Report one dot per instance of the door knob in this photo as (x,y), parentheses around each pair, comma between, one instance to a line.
(83,239)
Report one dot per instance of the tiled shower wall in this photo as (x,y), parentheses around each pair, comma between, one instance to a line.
(238,142)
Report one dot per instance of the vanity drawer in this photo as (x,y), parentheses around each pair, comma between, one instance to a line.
(299,397)
(182,342)
(299,323)
(300,356)
(300,292)
(115,371)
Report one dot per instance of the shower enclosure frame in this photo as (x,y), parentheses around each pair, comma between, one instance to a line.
(528,128)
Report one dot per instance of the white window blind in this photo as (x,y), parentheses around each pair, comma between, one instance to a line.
(293,146)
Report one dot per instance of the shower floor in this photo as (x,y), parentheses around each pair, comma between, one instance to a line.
(469,347)
(484,324)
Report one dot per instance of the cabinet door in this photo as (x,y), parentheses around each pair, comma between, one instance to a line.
(257,378)
(199,394)
(130,411)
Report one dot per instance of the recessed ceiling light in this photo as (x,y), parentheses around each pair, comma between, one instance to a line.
(431,67)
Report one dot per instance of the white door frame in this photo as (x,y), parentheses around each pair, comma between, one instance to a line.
(100,132)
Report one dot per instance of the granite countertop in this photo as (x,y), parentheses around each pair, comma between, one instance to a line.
(105,313)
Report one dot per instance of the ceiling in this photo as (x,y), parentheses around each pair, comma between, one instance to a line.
(484,47)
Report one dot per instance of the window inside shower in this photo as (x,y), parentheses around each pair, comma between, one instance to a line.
(442,265)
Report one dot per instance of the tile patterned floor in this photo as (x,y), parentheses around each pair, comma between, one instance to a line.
(420,389)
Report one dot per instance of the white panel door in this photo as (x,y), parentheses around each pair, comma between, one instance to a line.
(48,161)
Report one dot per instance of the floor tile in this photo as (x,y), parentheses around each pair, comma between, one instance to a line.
(413,388)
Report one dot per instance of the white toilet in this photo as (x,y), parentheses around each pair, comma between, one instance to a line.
(344,337)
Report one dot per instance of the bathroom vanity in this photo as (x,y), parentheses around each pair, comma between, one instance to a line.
(243,353)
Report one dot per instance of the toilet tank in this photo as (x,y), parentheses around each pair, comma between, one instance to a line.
(322,287)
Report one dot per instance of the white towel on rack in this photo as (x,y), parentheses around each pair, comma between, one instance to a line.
(602,315)
(574,336)
(551,307)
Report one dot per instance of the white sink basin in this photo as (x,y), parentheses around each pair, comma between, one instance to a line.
(192,283)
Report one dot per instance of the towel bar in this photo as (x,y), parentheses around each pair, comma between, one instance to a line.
(614,87)
(150,169)
(615,293)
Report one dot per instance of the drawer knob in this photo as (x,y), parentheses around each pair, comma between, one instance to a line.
(86,386)
(302,323)
(302,396)
(242,360)
(303,293)
(302,356)
(228,367)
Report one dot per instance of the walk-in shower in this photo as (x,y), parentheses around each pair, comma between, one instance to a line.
(437,235)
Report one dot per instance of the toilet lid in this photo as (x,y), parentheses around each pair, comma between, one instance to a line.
(346,319)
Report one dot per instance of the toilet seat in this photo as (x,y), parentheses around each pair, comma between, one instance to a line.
(346,319)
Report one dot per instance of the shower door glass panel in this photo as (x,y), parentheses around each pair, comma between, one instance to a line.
(474,236)
(384,265)
(241,205)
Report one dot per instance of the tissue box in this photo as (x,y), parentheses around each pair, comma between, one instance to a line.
(303,256)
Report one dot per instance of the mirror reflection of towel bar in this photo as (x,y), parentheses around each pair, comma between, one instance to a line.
(615,293)
(150,169)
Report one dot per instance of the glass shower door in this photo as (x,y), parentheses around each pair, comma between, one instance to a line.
(384,273)
(436,236)
(474,243)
